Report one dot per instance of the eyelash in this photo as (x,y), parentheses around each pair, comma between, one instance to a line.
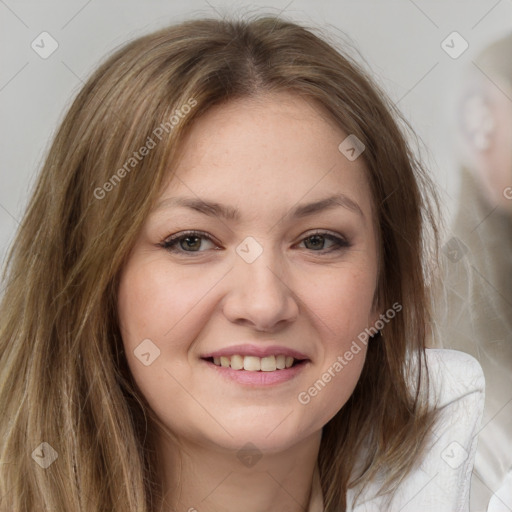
(171,243)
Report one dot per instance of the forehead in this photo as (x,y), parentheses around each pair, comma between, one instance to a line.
(275,147)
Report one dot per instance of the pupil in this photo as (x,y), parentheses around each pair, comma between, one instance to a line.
(316,239)
(192,246)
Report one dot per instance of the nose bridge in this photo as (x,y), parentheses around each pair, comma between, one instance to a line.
(259,292)
(259,264)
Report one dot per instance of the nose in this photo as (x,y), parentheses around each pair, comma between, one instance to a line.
(261,294)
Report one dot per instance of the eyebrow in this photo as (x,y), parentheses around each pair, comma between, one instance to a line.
(214,209)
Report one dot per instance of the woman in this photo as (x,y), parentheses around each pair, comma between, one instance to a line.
(218,297)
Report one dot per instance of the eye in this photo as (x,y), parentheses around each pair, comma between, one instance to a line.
(194,241)
(317,240)
(189,241)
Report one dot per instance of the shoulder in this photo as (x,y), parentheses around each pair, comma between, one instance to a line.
(442,479)
(455,378)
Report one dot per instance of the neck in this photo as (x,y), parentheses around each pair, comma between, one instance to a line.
(198,478)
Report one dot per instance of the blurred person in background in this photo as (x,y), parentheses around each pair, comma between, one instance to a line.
(475,312)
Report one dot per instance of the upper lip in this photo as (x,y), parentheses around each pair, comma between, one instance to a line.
(256,350)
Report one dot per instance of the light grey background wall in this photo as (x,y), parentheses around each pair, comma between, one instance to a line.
(401,41)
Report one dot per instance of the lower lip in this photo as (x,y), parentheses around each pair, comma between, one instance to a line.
(259,378)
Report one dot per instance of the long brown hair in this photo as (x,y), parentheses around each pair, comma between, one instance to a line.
(64,376)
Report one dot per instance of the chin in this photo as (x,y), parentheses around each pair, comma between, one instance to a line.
(266,436)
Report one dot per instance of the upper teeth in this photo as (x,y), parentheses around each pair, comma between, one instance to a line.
(255,364)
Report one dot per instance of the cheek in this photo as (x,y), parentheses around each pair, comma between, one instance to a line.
(343,301)
(342,306)
(156,312)
(348,300)
(155,303)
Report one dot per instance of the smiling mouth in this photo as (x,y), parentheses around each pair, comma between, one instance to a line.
(256,364)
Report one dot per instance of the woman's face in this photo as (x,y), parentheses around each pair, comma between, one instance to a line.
(274,272)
